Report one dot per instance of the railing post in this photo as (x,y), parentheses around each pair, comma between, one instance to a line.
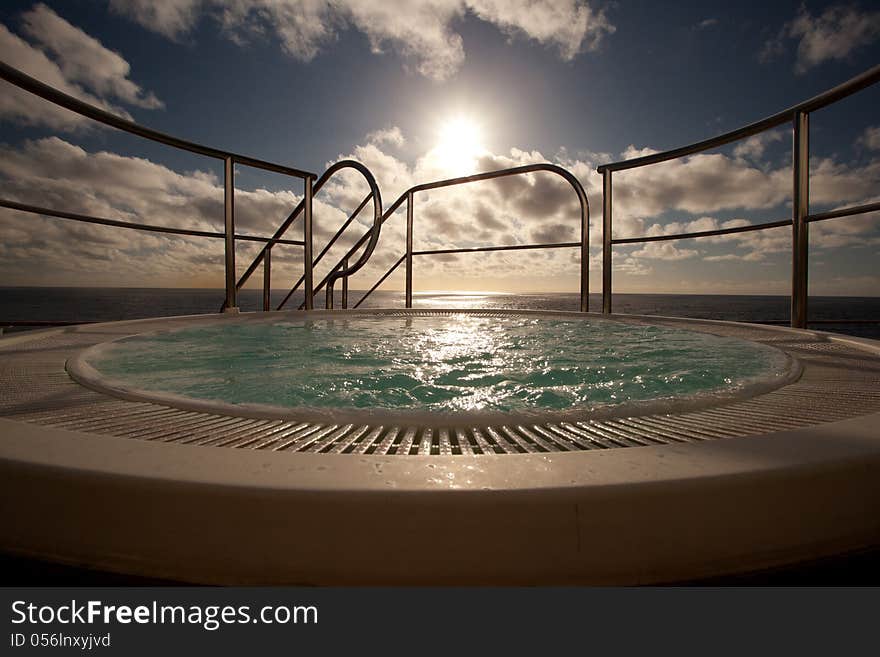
(585,250)
(267,276)
(344,284)
(307,246)
(229,227)
(409,248)
(606,241)
(329,295)
(800,210)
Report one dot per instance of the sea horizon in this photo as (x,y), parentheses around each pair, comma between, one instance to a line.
(221,290)
(857,315)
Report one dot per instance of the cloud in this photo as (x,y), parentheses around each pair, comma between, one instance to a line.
(870,139)
(700,184)
(537,207)
(631,266)
(391,136)
(53,172)
(421,31)
(551,233)
(708,22)
(705,184)
(664,251)
(753,147)
(570,26)
(79,66)
(83,59)
(833,35)
(172,18)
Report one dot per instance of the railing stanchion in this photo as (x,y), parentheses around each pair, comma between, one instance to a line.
(229,228)
(307,247)
(409,248)
(585,248)
(267,277)
(800,210)
(344,284)
(606,241)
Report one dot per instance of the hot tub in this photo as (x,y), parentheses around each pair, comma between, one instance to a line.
(455,368)
(779,464)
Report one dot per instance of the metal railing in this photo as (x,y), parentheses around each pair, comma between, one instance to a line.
(801,218)
(265,255)
(408,197)
(798,116)
(230,159)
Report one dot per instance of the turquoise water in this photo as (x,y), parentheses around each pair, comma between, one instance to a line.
(439,363)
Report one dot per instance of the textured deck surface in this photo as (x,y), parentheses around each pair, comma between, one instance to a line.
(838,382)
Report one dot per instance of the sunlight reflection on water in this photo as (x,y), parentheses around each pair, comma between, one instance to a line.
(439,363)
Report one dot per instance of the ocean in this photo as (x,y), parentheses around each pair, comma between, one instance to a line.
(81,304)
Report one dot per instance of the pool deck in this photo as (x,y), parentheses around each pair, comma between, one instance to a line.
(190,495)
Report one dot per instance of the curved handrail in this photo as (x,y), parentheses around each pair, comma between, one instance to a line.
(489,175)
(340,272)
(26,82)
(848,88)
(297,211)
(374,193)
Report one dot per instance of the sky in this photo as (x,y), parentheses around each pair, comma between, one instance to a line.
(423,90)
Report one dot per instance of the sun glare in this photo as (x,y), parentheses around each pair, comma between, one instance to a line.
(460,143)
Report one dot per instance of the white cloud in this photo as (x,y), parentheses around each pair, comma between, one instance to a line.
(391,136)
(568,25)
(833,35)
(80,66)
(526,209)
(753,147)
(870,139)
(664,251)
(55,173)
(83,59)
(422,31)
(700,184)
(24,107)
(173,18)
(710,183)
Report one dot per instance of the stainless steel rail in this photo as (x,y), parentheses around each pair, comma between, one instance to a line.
(798,116)
(321,255)
(408,197)
(308,263)
(88,219)
(343,271)
(702,233)
(26,82)
(381,280)
(848,88)
(230,159)
(844,212)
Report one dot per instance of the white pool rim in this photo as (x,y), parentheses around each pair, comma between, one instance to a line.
(620,516)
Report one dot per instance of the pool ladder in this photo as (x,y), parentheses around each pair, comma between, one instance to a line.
(341,269)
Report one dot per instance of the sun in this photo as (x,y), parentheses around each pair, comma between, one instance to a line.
(459,144)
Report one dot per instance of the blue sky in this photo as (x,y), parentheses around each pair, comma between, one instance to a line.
(427,89)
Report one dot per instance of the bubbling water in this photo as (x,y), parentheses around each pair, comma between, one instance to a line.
(440,363)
